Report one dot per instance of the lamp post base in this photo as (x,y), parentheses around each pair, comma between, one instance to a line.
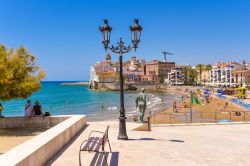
(122,129)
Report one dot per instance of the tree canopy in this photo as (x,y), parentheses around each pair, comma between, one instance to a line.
(201,68)
(192,76)
(20,76)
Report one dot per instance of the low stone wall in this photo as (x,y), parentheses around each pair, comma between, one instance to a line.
(48,121)
(38,150)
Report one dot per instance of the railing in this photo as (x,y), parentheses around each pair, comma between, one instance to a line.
(103,116)
(160,117)
(199,117)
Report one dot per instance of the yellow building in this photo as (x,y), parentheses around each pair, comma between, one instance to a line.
(108,77)
(205,77)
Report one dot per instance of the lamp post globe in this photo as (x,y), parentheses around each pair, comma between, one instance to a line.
(105,32)
(135,33)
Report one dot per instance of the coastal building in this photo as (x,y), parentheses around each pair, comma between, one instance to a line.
(103,72)
(133,76)
(106,73)
(177,75)
(205,76)
(247,66)
(222,74)
(241,77)
(134,69)
(157,71)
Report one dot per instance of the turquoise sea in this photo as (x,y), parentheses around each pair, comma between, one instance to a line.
(60,100)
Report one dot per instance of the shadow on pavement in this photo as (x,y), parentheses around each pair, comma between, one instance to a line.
(176,140)
(142,139)
(99,159)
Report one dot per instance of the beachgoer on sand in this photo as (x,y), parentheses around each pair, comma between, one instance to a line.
(174,106)
(28,108)
(226,104)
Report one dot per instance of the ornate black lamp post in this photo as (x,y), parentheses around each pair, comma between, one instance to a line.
(121,49)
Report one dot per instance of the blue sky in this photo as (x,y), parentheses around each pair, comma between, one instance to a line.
(64,34)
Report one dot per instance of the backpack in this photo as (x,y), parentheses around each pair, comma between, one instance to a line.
(47,114)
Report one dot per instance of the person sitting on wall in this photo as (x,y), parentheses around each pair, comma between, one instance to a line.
(37,109)
(28,108)
(1,110)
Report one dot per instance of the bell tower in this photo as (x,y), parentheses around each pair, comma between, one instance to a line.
(108,58)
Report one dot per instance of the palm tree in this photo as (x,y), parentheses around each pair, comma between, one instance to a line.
(161,75)
(200,68)
(192,76)
(185,75)
(208,67)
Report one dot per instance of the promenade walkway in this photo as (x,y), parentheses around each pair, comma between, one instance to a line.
(205,145)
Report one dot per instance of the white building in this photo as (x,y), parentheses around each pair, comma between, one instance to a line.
(176,75)
(247,66)
(103,72)
(221,74)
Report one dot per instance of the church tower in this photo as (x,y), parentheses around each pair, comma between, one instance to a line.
(108,58)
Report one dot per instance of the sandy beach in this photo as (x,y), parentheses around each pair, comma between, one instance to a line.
(214,111)
(10,138)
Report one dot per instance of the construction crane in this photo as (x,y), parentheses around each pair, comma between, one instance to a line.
(165,53)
